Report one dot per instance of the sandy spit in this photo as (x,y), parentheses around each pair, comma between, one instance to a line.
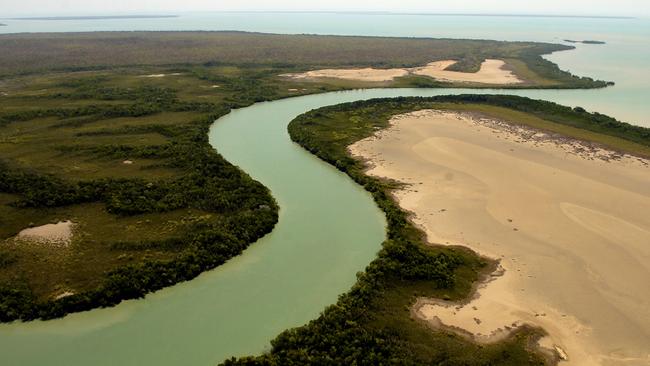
(568,221)
(491,72)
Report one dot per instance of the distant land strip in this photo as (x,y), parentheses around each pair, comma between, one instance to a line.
(98,17)
(431,14)
(585,42)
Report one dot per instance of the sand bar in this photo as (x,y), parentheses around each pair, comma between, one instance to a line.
(491,72)
(569,223)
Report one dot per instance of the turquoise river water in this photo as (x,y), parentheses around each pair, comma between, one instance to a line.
(329,228)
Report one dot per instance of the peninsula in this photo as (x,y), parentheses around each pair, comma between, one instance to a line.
(98,17)
(585,42)
(489,173)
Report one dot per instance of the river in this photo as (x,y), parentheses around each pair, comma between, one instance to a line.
(329,229)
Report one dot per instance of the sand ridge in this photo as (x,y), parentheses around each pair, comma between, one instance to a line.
(491,72)
(566,219)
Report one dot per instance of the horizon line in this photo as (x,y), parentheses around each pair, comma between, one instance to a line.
(69,16)
(541,15)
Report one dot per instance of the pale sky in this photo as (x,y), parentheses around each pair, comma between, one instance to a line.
(556,7)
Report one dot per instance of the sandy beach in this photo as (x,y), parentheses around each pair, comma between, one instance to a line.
(491,72)
(568,222)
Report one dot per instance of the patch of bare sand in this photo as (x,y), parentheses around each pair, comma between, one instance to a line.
(59,233)
(156,76)
(367,74)
(568,221)
(63,295)
(491,72)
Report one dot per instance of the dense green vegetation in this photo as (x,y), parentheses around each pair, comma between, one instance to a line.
(28,53)
(215,209)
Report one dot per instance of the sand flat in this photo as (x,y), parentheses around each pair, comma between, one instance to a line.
(366,74)
(491,72)
(570,227)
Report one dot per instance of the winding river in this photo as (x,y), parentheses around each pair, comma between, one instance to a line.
(329,229)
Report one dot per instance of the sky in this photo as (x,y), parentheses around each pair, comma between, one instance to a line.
(547,7)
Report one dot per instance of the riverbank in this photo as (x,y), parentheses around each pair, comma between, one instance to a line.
(573,259)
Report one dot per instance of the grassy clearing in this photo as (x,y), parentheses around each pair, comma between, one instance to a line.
(519,68)
(39,144)
(526,119)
